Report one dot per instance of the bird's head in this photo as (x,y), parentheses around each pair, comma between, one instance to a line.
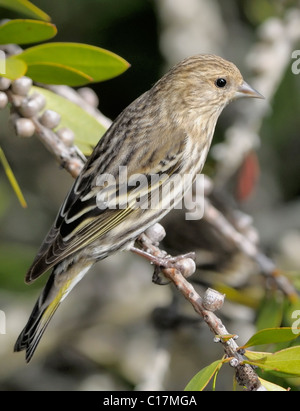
(203,84)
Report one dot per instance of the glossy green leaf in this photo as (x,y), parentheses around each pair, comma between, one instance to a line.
(86,128)
(12,179)
(25,7)
(202,378)
(285,361)
(54,73)
(26,31)
(13,68)
(271,336)
(270,386)
(93,62)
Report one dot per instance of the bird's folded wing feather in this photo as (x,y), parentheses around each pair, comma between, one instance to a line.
(86,221)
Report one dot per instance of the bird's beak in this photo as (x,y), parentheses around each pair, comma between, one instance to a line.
(245,90)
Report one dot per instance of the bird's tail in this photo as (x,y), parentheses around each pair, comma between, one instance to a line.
(58,286)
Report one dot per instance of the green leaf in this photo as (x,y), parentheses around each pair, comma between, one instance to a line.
(256,355)
(12,68)
(26,31)
(271,336)
(25,7)
(286,361)
(93,62)
(54,73)
(270,386)
(10,175)
(270,313)
(86,128)
(202,378)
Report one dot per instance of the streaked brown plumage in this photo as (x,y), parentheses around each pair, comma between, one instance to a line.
(166,131)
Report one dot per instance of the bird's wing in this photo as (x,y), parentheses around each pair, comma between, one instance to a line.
(91,223)
(81,220)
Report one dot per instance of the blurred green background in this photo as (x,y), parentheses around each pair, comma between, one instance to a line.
(103,336)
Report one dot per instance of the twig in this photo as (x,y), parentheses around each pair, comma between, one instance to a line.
(249,248)
(67,157)
(245,375)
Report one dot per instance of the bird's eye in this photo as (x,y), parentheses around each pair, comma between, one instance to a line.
(220,82)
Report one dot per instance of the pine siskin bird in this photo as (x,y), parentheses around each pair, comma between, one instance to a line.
(167,131)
